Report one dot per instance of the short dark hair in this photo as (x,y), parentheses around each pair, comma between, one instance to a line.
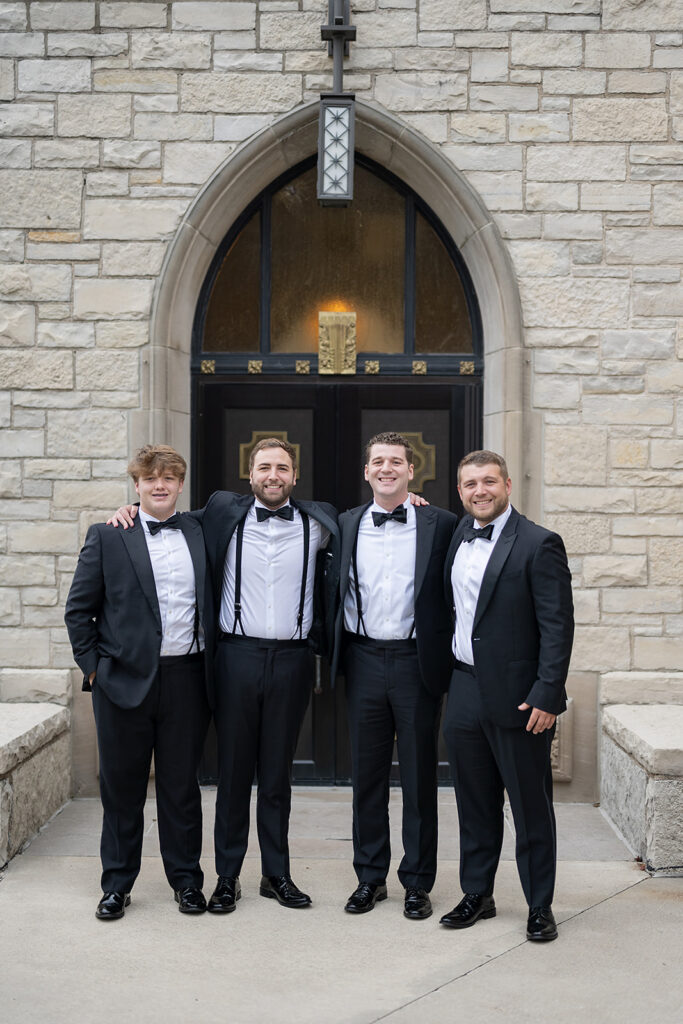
(157,458)
(389,437)
(272,442)
(484,458)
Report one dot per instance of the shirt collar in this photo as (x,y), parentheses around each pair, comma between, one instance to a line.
(498,523)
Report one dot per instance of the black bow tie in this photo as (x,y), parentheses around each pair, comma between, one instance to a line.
(399,515)
(470,533)
(172,523)
(285,512)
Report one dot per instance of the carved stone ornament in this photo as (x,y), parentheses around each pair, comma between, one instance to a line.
(419,367)
(372,365)
(260,435)
(336,343)
(424,460)
(303,366)
(208,365)
(255,366)
(466,368)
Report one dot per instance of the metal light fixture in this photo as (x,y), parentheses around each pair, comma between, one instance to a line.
(337,114)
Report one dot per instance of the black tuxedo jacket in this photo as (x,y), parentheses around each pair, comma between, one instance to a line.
(524,621)
(433,621)
(112,612)
(220,517)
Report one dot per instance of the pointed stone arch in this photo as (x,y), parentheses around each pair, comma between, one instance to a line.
(389,142)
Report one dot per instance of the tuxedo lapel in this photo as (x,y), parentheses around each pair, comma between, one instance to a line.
(134,541)
(495,565)
(351,525)
(316,513)
(425,527)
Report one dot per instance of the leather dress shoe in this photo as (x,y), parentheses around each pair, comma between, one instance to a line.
(468,911)
(225,895)
(364,898)
(190,900)
(282,889)
(541,925)
(112,906)
(417,904)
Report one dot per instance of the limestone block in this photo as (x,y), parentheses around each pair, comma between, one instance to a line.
(503,97)
(63,15)
(93,432)
(40,787)
(540,259)
(28,648)
(565,456)
(546,49)
(518,225)
(54,76)
(43,199)
(132,258)
(668,204)
(618,50)
(676,92)
(541,195)
(650,734)
(452,14)
(500,191)
(626,453)
(642,600)
(620,119)
(516,23)
(132,15)
(81,153)
(642,688)
(375,28)
(485,158)
(132,218)
(234,41)
(548,302)
(623,793)
(636,245)
(600,648)
(431,59)
(614,571)
(87,44)
(653,16)
(586,606)
(171,50)
(17,444)
(36,370)
(32,570)
(43,283)
(421,91)
(659,500)
(132,154)
(658,300)
(107,371)
(433,126)
(657,653)
(137,81)
(238,60)
(576,163)
(17,324)
(237,127)
(10,480)
(63,334)
(573,83)
(547,6)
(12,17)
(637,81)
(94,115)
(555,393)
(10,607)
(35,685)
(614,500)
(214,17)
(27,119)
(573,226)
(489,66)
(609,196)
(113,297)
(629,409)
(539,127)
(666,560)
(478,127)
(234,93)
(121,334)
(188,162)
(172,126)
(15,153)
(24,44)
(666,453)
(97,494)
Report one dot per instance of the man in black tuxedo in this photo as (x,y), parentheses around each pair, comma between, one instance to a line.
(510,585)
(394,627)
(136,620)
(274,564)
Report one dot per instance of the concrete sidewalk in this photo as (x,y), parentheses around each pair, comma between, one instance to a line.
(618,957)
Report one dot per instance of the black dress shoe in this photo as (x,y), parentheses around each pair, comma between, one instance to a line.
(365,897)
(282,889)
(112,906)
(225,895)
(190,900)
(417,904)
(541,925)
(468,911)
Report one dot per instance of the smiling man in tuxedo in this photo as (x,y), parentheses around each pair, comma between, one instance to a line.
(137,624)
(394,631)
(510,585)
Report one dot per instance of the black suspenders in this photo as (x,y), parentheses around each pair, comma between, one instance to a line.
(239,540)
(360,623)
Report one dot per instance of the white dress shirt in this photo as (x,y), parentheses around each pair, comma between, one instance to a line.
(270,587)
(469,566)
(385,556)
(175,585)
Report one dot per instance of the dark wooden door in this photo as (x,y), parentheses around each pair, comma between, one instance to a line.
(330,421)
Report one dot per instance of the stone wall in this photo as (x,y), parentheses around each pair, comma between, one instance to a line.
(565,115)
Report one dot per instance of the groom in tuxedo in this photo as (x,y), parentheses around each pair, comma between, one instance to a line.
(510,586)
(137,624)
(394,630)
